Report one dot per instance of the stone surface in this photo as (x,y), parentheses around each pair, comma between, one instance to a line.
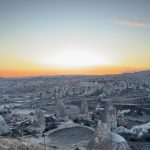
(16,144)
(121,129)
(4,128)
(38,123)
(61,111)
(106,140)
(84,107)
(138,132)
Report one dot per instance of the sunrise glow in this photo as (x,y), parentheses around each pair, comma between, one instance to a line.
(73,37)
(75,59)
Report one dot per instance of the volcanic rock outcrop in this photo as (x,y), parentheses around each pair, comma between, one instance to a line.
(106,140)
(4,128)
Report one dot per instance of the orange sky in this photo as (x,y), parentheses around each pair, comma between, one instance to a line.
(87,71)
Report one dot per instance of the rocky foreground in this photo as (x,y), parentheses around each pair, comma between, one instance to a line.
(15,144)
(38,110)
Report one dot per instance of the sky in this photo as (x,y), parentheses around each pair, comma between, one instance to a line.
(61,37)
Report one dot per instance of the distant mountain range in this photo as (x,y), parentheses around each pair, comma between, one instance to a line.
(145,73)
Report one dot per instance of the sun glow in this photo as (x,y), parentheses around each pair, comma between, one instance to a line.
(76,58)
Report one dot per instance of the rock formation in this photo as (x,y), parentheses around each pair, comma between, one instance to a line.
(61,111)
(4,128)
(84,107)
(38,122)
(106,140)
(138,132)
(110,116)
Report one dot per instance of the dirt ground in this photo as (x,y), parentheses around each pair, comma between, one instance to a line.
(66,138)
(139,145)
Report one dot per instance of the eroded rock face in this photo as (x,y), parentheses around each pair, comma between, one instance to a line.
(38,123)
(84,107)
(106,140)
(61,111)
(4,128)
(138,132)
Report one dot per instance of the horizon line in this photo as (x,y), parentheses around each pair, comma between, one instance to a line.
(53,75)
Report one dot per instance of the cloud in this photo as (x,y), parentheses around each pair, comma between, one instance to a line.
(132,23)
